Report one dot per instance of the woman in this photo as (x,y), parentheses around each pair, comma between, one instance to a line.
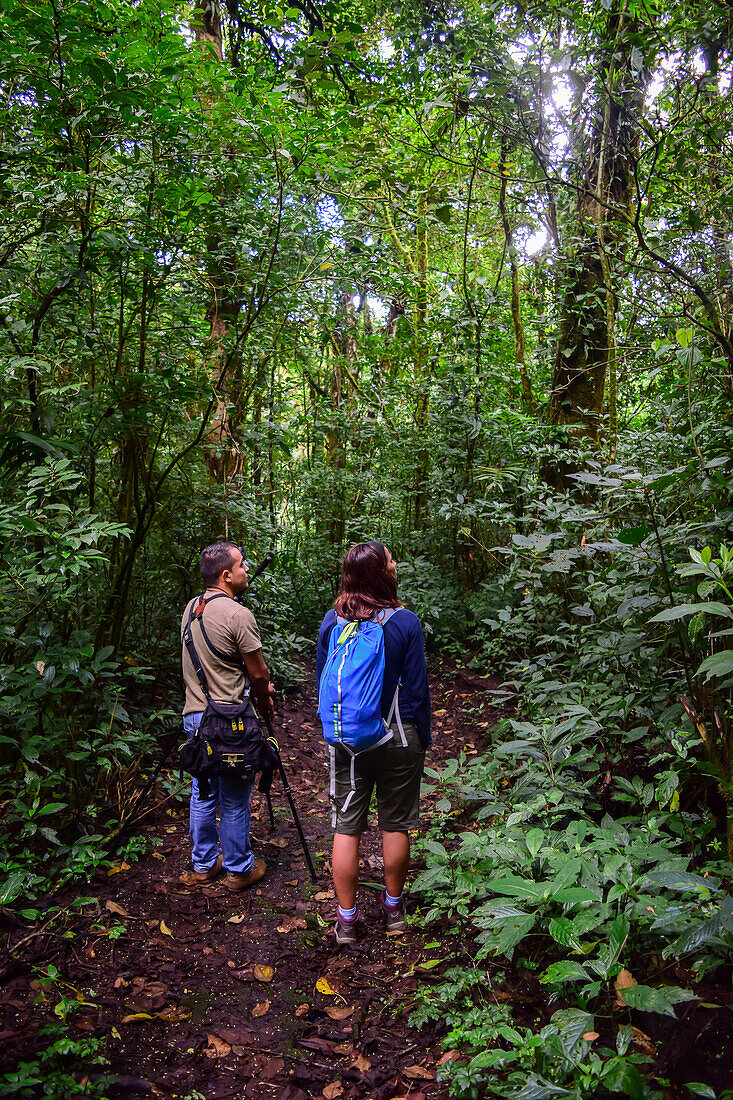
(369,592)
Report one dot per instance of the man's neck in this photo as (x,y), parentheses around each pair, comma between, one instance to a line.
(217,588)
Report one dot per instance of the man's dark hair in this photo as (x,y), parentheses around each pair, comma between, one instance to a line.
(215,559)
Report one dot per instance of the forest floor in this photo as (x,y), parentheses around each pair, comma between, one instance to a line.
(199,992)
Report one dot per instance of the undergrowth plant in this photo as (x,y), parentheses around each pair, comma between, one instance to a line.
(587,847)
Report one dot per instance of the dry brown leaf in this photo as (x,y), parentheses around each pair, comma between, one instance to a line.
(165,929)
(449,1056)
(292,882)
(217,1048)
(624,980)
(418,1073)
(362,1063)
(340,1013)
(333,1091)
(175,1015)
(261,1009)
(642,1041)
(116,870)
(291,924)
(136,1018)
(324,895)
(113,907)
(279,842)
(243,974)
(237,918)
(263,973)
(591,1036)
(121,982)
(301,1010)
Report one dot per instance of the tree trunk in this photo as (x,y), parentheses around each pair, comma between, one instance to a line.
(586,342)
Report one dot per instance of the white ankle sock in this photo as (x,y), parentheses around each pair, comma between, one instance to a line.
(347,914)
(392,902)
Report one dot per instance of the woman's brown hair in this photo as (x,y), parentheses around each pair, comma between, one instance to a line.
(366,585)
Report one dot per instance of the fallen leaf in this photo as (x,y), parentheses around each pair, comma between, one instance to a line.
(334,1090)
(362,1063)
(136,1018)
(449,1056)
(261,1009)
(120,981)
(301,1010)
(641,1040)
(429,964)
(174,1015)
(165,929)
(116,870)
(291,924)
(237,918)
(590,1036)
(217,1048)
(292,882)
(624,980)
(324,895)
(243,974)
(115,1033)
(113,907)
(159,855)
(279,842)
(339,1013)
(323,987)
(418,1073)
(263,973)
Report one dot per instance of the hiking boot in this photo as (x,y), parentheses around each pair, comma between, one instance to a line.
(202,878)
(235,882)
(345,929)
(394,915)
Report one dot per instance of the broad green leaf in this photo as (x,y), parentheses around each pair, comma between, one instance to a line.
(677,880)
(513,931)
(719,664)
(563,931)
(564,971)
(516,887)
(682,610)
(571,1025)
(646,998)
(534,840)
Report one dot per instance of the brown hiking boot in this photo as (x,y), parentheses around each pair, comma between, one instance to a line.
(234,882)
(202,878)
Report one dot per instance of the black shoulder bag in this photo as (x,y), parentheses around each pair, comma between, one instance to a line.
(229,740)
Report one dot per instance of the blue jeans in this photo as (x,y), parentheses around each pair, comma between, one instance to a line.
(231,796)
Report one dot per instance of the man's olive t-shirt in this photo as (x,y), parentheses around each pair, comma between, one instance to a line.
(233,630)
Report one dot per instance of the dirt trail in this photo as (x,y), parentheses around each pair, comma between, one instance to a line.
(203,993)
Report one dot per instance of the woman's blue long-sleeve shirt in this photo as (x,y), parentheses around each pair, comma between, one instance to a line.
(404,661)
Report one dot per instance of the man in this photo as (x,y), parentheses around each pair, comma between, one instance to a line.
(230,651)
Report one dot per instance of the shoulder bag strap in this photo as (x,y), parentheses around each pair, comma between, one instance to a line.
(195,661)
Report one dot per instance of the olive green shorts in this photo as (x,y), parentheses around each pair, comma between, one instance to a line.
(394,770)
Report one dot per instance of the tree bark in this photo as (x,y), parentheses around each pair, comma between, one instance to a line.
(586,342)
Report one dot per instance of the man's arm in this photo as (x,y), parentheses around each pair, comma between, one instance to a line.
(259,680)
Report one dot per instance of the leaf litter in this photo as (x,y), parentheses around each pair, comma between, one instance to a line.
(187,977)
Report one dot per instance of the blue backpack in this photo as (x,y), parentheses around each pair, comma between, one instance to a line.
(350,692)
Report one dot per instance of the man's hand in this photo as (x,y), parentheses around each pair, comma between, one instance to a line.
(259,679)
(266,701)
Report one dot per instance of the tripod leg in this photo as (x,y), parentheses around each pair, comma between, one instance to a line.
(296,819)
(289,796)
(269,810)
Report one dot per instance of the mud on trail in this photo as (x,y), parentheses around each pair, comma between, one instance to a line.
(199,992)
